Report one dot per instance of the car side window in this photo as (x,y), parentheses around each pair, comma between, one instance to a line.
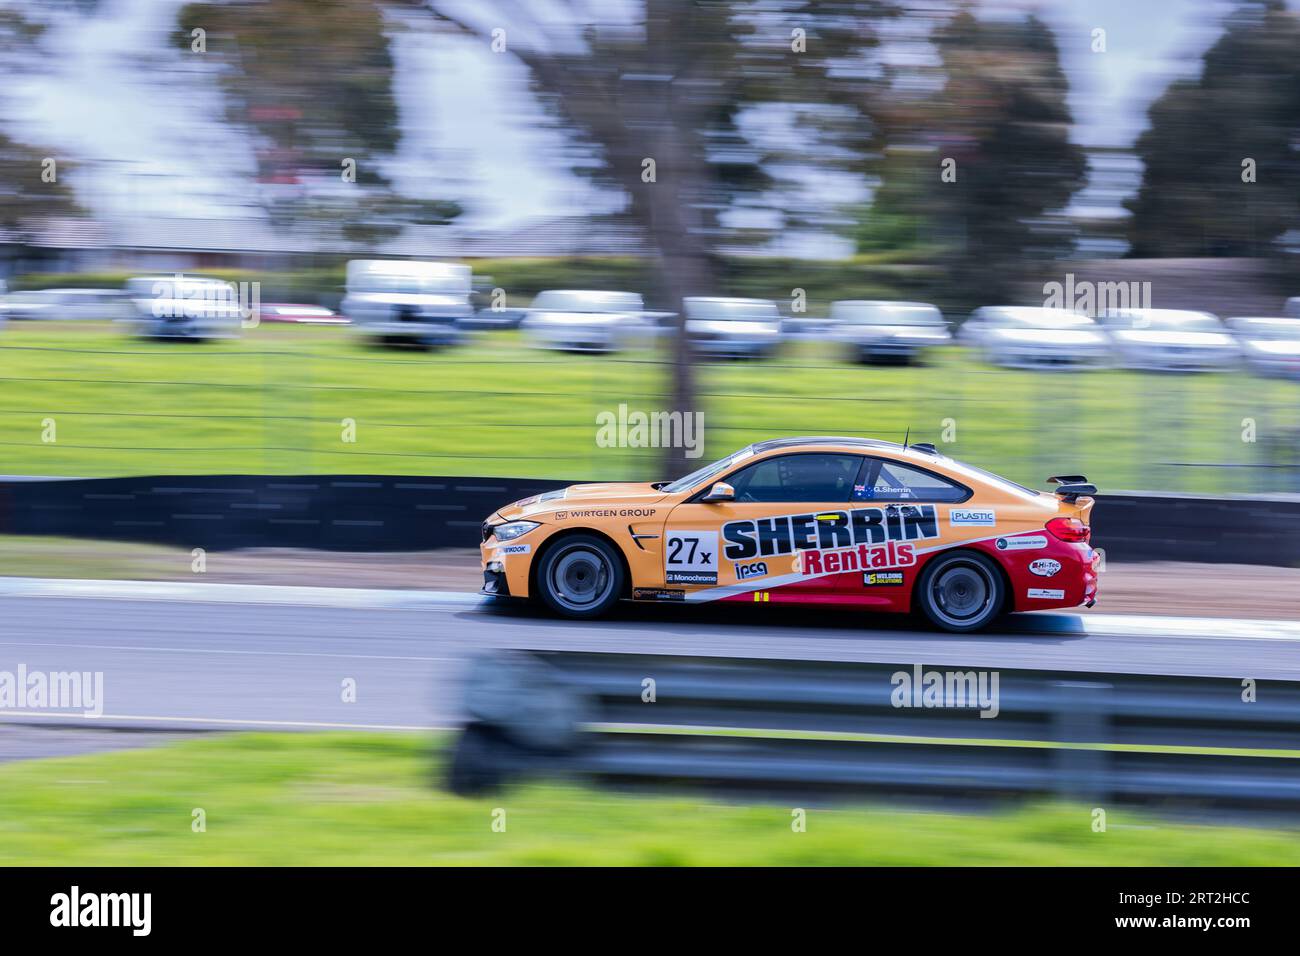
(821,477)
(893,481)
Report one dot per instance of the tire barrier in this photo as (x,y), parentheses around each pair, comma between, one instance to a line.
(405,513)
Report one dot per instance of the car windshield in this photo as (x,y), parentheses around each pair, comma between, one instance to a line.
(564,300)
(732,310)
(1040,319)
(1170,322)
(688,482)
(412,284)
(886,314)
(1269,328)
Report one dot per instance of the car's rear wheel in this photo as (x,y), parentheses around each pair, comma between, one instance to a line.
(960,592)
(580,576)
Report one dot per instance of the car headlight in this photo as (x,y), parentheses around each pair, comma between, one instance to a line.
(513,529)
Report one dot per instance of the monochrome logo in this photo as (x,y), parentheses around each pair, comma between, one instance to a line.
(972,516)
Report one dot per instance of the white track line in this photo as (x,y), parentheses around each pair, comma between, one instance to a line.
(44,715)
(236,593)
(1094,625)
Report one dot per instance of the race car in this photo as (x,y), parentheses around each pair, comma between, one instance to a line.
(851,522)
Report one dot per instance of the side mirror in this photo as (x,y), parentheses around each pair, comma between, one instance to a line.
(721,491)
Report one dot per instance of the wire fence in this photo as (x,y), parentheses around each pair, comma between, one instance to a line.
(317,401)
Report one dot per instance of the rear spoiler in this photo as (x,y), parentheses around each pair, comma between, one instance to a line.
(1071,487)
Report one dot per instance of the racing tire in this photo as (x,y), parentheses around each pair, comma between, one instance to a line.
(960,592)
(580,576)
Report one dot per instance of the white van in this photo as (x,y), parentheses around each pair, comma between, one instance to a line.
(425,302)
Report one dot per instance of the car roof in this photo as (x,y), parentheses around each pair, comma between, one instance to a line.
(847,442)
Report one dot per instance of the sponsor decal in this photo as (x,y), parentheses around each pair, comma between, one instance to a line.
(828,531)
(972,516)
(692,577)
(1048,594)
(658,594)
(882,578)
(756,569)
(888,555)
(607,513)
(1023,543)
(691,557)
(1044,567)
(514,549)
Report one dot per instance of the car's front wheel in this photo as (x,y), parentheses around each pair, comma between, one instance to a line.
(960,592)
(580,576)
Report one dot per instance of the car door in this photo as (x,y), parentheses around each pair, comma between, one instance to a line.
(752,545)
(909,501)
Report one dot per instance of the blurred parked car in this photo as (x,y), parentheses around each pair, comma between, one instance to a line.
(1172,340)
(748,328)
(1035,337)
(879,331)
(1271,346)
(103,304)
(422,302)
(585,321)
(184,307)
(301,314)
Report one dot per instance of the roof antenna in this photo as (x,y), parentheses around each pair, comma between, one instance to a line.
(906,435)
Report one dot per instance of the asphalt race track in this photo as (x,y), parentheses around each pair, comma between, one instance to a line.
(210,656)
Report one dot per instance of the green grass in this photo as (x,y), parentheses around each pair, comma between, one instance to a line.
(276,402)
(353,799)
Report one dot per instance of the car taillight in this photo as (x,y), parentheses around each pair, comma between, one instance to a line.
(1069,529)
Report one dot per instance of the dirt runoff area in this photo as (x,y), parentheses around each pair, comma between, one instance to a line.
(1169,588)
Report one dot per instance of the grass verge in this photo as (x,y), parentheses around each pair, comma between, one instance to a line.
(357,799)
(84,399)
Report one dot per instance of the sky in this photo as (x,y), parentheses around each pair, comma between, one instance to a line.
(161,149)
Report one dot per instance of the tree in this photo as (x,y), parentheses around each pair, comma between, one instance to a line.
(313,81)
(33,181)
(982,166)
(659,102)
(1221,173)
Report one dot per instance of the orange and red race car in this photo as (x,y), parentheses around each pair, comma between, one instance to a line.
(831,521)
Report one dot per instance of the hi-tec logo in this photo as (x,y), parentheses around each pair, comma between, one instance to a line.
(825,530)
(103,909)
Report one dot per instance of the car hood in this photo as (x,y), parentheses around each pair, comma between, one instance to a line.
(731,327)
(1278,347)
(614,495)
(577,319)
(899,331)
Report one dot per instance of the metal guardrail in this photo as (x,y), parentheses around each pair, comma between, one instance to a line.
(810,726)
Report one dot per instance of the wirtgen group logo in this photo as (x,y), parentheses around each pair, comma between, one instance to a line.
(637,429)
(956,689)
(75,908)
(69,691)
